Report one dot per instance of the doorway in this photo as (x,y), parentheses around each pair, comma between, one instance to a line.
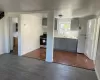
(13,35)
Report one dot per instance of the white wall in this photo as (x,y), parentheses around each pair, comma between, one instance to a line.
(7,30)
(6,34)
(2,35)
(31,29)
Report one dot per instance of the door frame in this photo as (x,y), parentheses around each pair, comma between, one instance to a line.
(7,33)
(95,40)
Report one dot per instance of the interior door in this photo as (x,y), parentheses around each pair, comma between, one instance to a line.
(82,36)
(90,37)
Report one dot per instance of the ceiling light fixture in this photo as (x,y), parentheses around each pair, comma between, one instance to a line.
(60,15)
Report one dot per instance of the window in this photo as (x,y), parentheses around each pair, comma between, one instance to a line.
(64,29)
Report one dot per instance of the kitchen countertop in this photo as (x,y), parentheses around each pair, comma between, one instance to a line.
(64,37)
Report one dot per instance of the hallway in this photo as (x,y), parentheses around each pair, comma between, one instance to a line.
(13,67)
(63,57)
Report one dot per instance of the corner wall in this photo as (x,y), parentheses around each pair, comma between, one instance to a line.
(31,29)
(2,35)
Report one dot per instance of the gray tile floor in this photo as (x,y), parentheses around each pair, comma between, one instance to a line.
(13,67)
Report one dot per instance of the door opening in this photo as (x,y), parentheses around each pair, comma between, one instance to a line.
(13,32)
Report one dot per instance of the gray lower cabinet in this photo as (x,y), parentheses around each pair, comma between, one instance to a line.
(57,43)
(65,44)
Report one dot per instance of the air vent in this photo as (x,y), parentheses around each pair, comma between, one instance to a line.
(1,15)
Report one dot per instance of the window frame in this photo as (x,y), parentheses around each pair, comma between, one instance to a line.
(59,24)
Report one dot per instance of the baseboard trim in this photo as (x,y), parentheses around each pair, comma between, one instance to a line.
(97,73)
(30,51)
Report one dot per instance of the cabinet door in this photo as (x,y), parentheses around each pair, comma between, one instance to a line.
(62,44)
(44,21)
(71,45)
(55,28)
(56,43)
(74,24)
(65,44)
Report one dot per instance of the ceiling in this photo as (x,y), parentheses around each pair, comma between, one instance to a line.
(68,8)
